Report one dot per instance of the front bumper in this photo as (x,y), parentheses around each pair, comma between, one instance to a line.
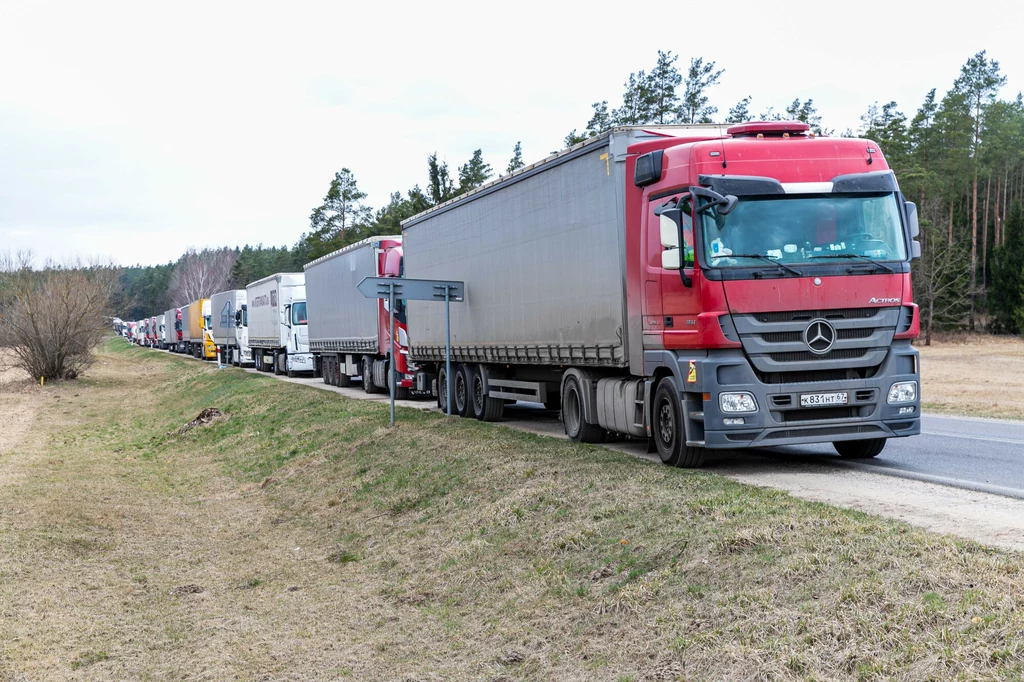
(780,419)
(301,362)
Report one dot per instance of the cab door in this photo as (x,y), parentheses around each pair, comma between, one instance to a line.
(677,304)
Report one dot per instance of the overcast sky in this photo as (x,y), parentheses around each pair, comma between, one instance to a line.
(133,131)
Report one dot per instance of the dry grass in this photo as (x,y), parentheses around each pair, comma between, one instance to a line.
(974,374)
(296,538)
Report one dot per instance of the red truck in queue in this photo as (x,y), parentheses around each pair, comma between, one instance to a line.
(349,335)
(701,287)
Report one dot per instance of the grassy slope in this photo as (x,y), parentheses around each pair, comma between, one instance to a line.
(327,546)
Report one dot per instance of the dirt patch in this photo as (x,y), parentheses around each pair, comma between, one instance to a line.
(978,374)
(204,417)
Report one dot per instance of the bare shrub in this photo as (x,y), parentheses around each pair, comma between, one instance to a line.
(200,274)
(52,319)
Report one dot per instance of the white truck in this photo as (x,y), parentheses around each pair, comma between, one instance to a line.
(229,331)
(158,339)
(278,335)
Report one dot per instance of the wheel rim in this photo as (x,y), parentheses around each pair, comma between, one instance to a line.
(460,391)
(571,411)
(666,424)
(478,394)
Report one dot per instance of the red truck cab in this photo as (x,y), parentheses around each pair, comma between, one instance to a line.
(391,265)
(771,268)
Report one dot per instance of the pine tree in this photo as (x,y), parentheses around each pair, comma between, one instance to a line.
(662,83)
(740,112)
(637,102)
(1006,300)
(979,82)
(441,188)
(574,138)
(601,120)
(517,159)
(700,77)
(474,174)
(805,112)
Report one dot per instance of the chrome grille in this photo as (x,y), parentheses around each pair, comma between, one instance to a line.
(775,342)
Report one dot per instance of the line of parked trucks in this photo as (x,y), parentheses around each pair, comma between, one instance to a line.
(697,287)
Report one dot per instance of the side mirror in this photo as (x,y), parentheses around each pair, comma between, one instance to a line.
(912,222)
(670,259)
(670,224)
(288,314)
(915,249)
(669,231)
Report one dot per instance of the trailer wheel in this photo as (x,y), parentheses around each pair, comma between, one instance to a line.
(859,449)
(326,373)
(461,391)
(368,385)
(442,390)
(576,427)
(669,432)
(485,408)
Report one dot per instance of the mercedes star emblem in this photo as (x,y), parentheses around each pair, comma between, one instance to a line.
(820,336)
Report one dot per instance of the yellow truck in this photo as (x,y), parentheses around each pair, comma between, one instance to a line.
(196,330)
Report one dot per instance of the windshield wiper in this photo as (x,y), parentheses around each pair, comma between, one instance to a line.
(764,258)
(855,255)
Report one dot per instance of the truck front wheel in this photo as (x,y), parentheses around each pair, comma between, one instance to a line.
(859,449)
(279,360)
(576,427)
(669,432)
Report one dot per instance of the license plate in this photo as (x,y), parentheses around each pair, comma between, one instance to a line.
(823,399)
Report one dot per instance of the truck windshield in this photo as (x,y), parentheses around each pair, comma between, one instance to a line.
(802,229)
(299,313)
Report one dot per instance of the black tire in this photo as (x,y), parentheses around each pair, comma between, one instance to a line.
(485,408)
(278,369)
(859,449)
(669,432)
(460,392)
(368,385)
(442,390)
(326,371)
(576,427)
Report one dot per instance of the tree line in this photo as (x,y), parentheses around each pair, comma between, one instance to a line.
(959,155)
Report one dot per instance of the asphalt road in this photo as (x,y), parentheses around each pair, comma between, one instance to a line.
(977,454)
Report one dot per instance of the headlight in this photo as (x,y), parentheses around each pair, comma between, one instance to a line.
(903,392)
(737,402)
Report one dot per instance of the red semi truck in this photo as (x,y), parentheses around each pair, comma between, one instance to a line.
(349,335)
(700,287)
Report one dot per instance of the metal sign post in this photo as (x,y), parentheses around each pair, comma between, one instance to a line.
(395,288)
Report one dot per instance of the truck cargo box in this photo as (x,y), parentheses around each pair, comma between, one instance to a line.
(184,323)
(223,307)
(266,300)
(170,330)
(542,254)
(340,317)
(192,323)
